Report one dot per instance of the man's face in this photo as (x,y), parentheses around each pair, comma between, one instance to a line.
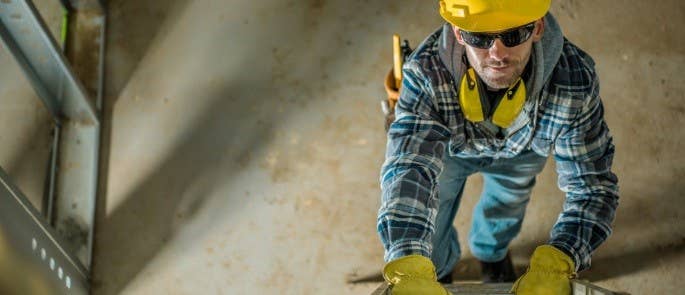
(500,66)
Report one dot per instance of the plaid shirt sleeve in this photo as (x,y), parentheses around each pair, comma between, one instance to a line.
(416,143)
(583,152)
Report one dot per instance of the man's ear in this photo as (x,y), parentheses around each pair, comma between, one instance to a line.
(539,29)
(456,34)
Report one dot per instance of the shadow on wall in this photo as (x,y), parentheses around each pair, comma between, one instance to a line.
(132,27)
(144,222)
(652,247)
(657,242)
(148,217)
(26,133)
(132,44)
(29,167)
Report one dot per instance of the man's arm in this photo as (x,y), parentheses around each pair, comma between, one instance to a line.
(416,143)
(584,153)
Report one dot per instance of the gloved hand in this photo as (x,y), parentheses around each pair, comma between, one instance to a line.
(413,275)
(550,273)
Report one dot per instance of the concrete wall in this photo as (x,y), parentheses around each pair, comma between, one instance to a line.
(25,124)
(245,140)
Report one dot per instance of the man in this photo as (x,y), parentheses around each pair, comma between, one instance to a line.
(495,90)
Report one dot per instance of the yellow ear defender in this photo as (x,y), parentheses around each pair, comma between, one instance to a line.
(510,105)
(469,97)
(506,110)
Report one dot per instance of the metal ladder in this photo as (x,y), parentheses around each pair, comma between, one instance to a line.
(55,248)
(579,287)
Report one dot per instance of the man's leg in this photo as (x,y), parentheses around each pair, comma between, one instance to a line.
(451,181)
(499,213)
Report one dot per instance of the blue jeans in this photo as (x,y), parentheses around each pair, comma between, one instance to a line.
(499,213)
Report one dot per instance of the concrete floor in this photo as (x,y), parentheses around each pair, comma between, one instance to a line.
(245,141)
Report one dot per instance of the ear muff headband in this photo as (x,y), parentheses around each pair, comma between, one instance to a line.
(506,110)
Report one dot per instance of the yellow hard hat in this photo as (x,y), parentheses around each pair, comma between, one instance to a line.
(492,15)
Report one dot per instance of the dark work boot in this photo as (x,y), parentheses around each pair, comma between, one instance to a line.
(498,272)
(447,279)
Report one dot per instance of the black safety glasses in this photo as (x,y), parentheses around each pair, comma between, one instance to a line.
(510,38)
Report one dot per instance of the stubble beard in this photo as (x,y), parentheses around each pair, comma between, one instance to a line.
(500,80)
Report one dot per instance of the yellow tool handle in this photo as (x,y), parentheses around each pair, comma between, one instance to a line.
(397,60)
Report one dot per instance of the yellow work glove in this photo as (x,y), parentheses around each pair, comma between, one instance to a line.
(550,273)
(413,275)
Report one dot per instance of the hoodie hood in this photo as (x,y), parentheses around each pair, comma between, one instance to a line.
(545,54)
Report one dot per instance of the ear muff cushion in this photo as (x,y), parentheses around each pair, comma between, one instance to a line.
(469,97)
(510,105)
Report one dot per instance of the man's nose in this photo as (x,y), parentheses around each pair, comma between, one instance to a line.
(498,51)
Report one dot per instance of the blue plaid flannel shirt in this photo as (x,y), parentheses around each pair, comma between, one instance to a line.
(566,117)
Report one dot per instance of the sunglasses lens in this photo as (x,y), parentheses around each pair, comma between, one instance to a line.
(517,36)
(483,41)
(510,38)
